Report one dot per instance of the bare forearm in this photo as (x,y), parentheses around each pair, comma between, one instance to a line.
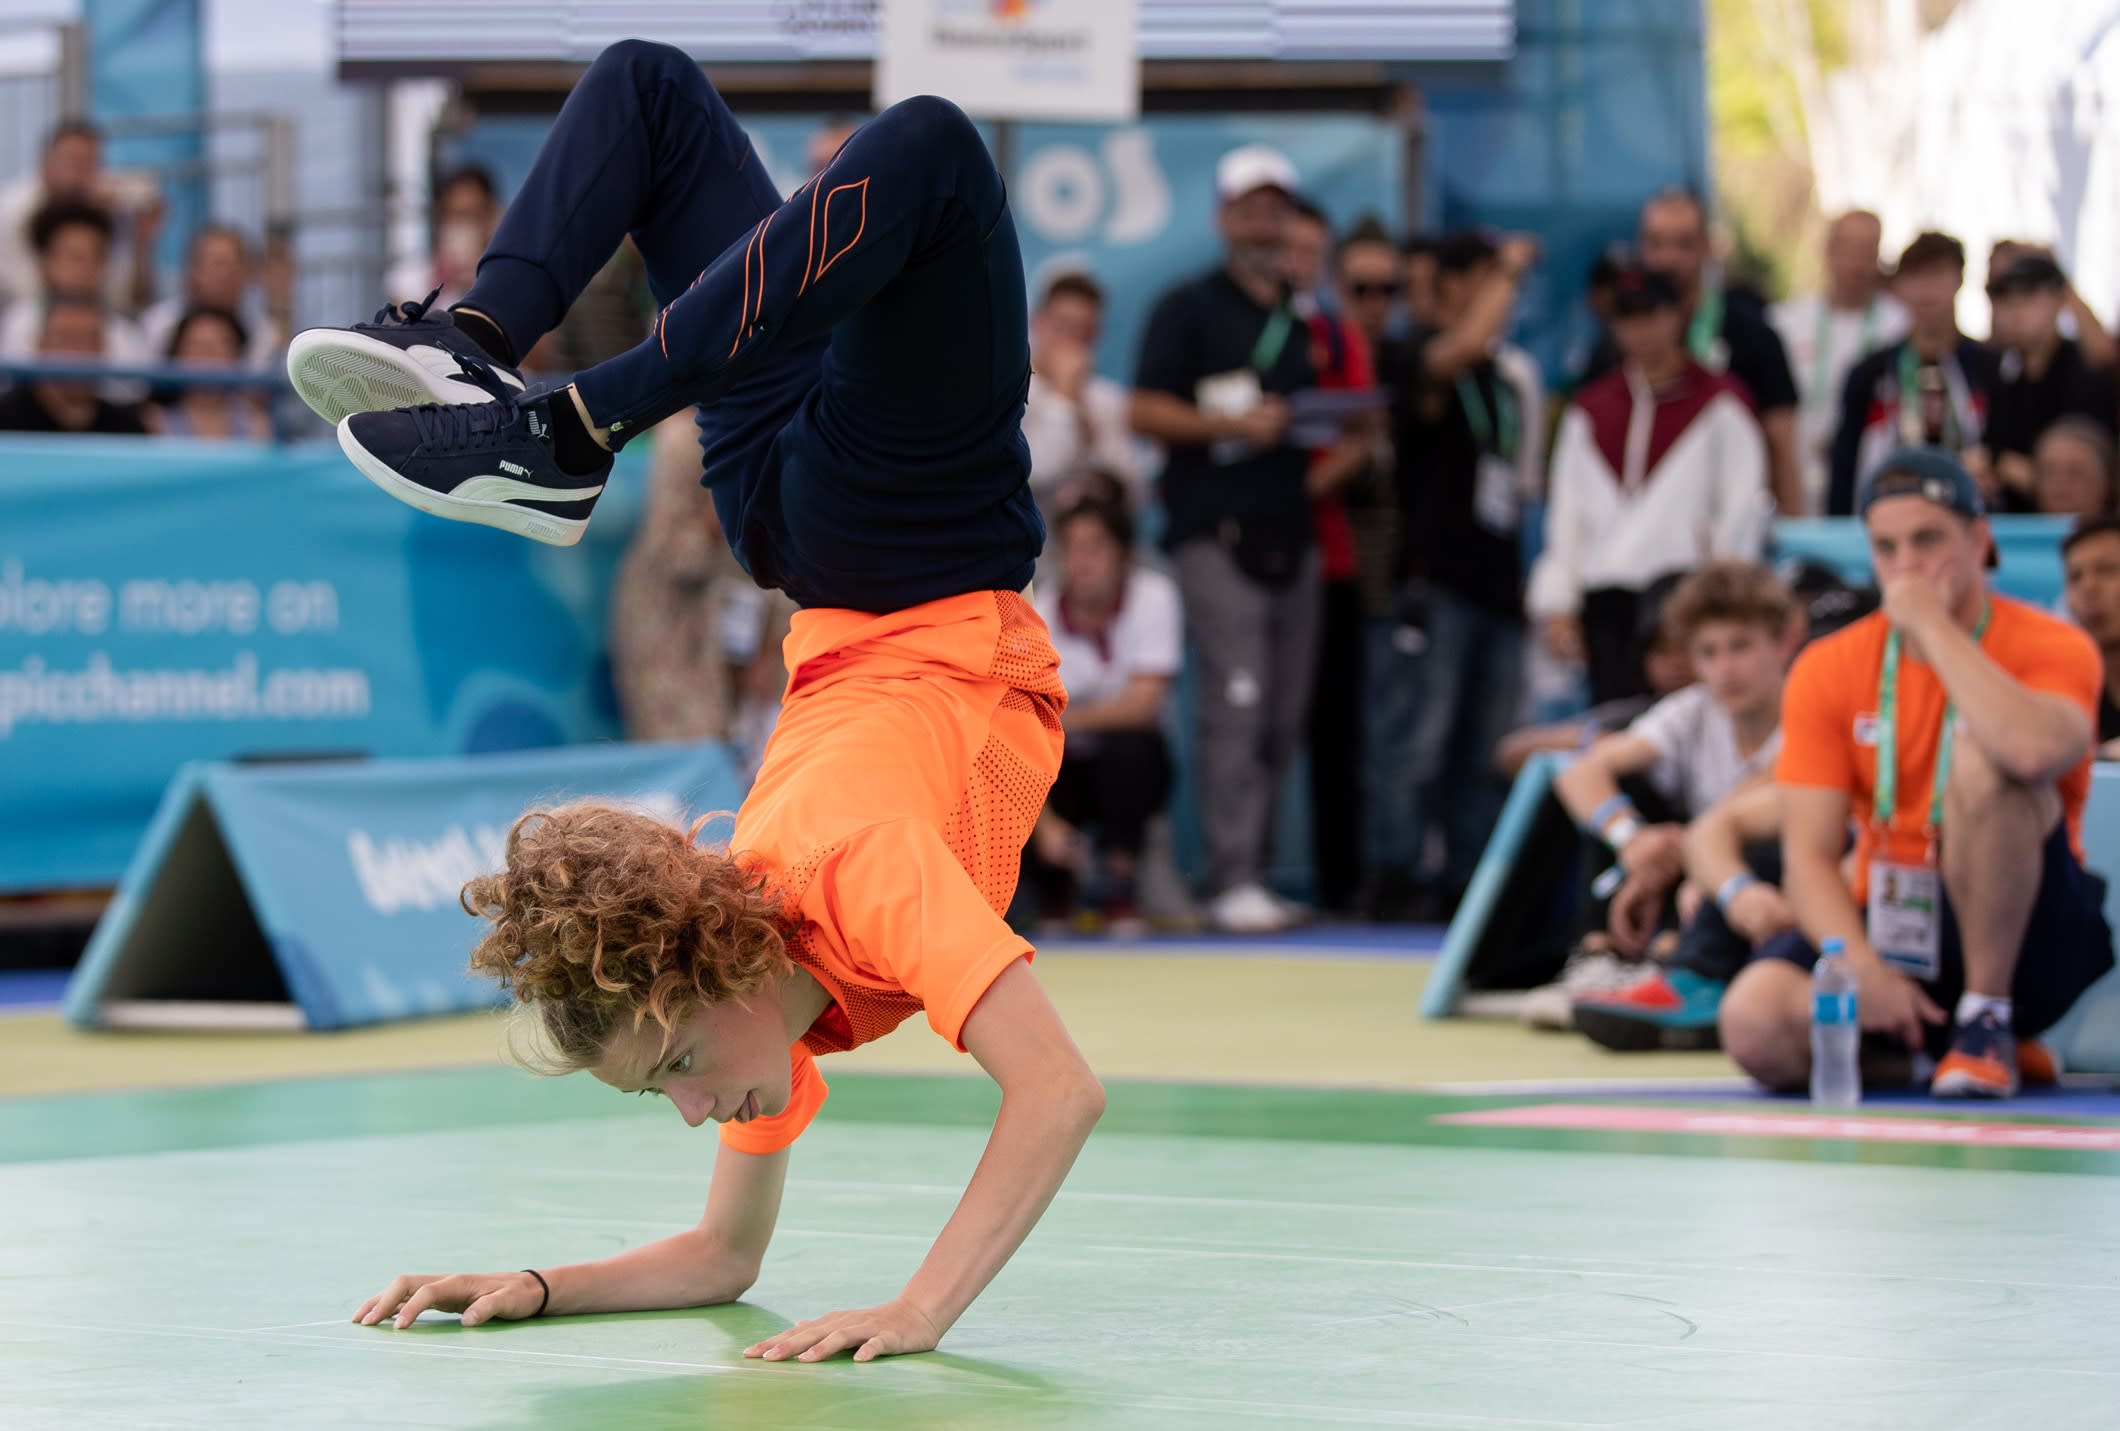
(1823,905)
(1336,467)
(680,1271)
(1034,1143)
(2031,735)
(1583,787)
(1714,854)
(1784,471)
(1173,421)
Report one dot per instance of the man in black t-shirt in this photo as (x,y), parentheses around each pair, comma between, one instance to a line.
(73,330)
(1457,430)
(1934,388)
(2090,556)
(1219,357)
(2043,377)
(1727,331)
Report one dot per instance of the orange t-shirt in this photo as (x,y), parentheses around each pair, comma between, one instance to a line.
(1829,719)
(913,753)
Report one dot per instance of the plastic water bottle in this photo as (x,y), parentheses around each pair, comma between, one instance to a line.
(1835,1032)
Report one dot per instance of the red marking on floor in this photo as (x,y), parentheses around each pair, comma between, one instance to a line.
(1612,1118)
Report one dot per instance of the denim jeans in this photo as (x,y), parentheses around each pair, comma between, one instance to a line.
(1393,665)
(1471,692)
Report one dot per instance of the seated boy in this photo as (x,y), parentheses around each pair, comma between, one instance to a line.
(1692,749)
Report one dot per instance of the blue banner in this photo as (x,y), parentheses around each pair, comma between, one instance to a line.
(351,873)
(165,601)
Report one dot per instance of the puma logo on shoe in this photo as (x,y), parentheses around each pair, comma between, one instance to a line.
(516,468)
(537,427)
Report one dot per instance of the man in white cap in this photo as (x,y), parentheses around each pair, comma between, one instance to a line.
(1219,356)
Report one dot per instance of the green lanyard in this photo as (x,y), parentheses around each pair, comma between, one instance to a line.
(1705,331)
(1497,434)
(1953,434)
(1272,338)
(1821,353)
(1886,803)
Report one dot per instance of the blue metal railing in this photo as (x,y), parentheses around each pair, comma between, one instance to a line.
(288,417)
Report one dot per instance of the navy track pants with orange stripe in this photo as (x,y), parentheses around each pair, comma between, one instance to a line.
(859,352)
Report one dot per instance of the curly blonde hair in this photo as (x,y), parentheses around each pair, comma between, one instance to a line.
(605,917)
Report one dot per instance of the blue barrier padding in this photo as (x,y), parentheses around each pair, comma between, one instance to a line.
(163,601)
(1439,997)
(2088,1039)
(2030,549)
(345,877)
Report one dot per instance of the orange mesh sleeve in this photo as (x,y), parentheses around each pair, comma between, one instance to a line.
(1817,740)
(903,907)
(806,1094)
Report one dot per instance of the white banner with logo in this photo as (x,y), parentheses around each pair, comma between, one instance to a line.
(1013,59)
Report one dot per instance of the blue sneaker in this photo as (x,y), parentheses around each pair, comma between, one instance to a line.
(408,356)
(1982,1062)
(1665,1008)
(492,463)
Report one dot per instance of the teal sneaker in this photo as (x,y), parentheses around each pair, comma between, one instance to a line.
(1665,1008)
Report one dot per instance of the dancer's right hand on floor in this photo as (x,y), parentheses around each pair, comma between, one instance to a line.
(480,1296)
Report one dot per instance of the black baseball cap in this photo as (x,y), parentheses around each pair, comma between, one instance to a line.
(2034,273)
(1637,289)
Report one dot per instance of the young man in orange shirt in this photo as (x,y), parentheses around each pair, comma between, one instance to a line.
(859,356)
(1954,729)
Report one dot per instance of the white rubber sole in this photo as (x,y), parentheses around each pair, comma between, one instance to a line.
(339,373)
(523,521)
(1962,1085)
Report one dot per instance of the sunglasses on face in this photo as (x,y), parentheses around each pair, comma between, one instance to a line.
(1375,290)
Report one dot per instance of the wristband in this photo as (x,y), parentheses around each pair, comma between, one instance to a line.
(1623,831)
(1732,887)
(546,1300)
(1606,809)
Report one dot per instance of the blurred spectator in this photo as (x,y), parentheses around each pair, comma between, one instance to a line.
(1460,429)
(1370,274)
(72,171)
(1665,668)
(209,338)
(2043,377)
(1218,356)
(695,645)
(71,239)
(1827,333)
(218,274)
(1726,332)
(73,331)
(2074,470)
(1419,254)
(1689,752)
(1120,636)
(1340,354)
(1931,390)
(1074,417)
(1968,919)
(467,209)
(1731,904)
(2078,320)
(1656,467)
(2090,556)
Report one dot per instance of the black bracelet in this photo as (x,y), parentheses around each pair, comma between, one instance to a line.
(546,1300)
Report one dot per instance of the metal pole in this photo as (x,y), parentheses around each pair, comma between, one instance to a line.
(73,70)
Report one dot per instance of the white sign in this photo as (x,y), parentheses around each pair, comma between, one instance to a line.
(1013,59)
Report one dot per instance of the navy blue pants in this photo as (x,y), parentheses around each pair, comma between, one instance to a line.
(859,353)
